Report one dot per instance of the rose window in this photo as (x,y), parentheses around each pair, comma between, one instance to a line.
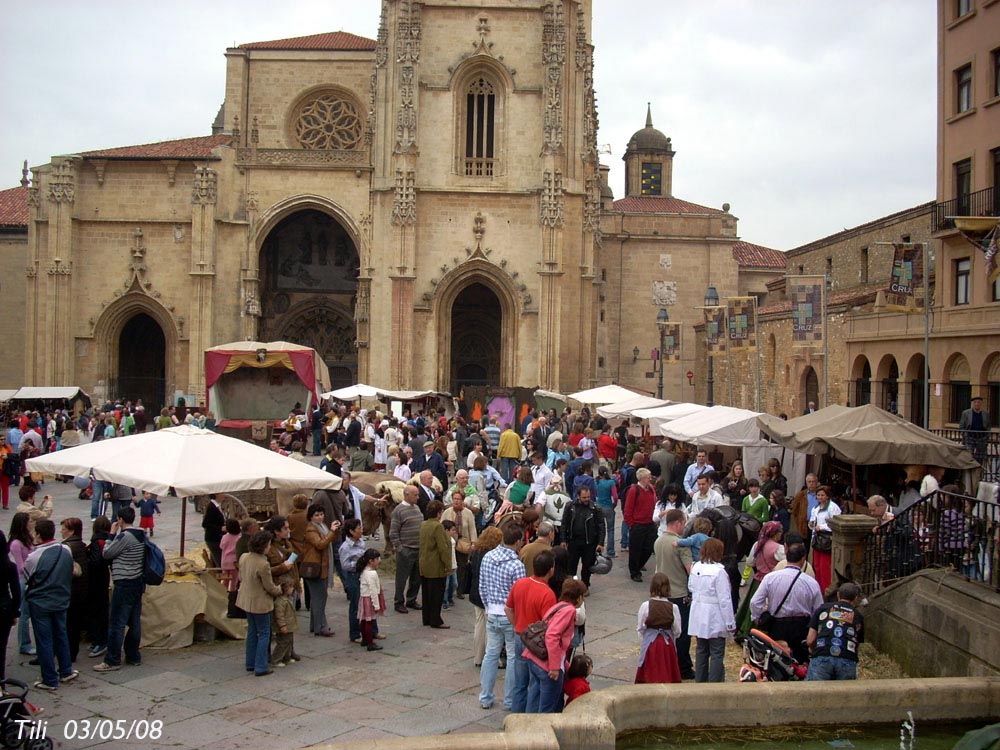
(328,122)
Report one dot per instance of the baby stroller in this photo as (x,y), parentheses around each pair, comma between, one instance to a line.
(766,660)
(14,706)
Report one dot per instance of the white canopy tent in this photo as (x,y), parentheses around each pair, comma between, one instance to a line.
(605,394)
(8,394)
(628,407)
(188,460)
(660,415)
(719,425)
(352,392)
(45,393)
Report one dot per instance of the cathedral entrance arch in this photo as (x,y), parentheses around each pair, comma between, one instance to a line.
(476,332)
(309,267)
(142,362)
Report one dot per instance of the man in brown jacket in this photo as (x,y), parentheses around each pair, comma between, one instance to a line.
(802,505)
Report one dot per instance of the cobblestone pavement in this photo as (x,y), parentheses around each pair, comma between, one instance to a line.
(424,682)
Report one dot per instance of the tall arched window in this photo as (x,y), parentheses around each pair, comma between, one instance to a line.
(480,128)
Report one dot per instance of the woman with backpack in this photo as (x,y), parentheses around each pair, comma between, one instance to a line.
(545,675)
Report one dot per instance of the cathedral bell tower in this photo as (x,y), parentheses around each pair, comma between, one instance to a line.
(649,162)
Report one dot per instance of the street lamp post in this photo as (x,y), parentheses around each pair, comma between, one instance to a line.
(662,318)
(711,300)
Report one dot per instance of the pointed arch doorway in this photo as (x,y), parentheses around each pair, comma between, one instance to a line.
(142,355)
(476,333)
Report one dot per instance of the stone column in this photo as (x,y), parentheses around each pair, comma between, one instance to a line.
(202,272)
(849,535)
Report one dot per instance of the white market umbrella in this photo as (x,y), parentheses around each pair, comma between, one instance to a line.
(660,415)
(185,459)
(352,392)
(605,394)
(719,425)
(628,407)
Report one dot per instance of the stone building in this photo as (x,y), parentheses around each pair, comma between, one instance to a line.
(425,208)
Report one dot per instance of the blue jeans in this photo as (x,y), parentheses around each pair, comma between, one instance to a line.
(507,468)
(126,612)
(450,587)
(258,642)
(609,521)
(544,693)
(624,534)
(829,668)
(352,586)
(52,644)
(97,499)
(500,632)
(708,662)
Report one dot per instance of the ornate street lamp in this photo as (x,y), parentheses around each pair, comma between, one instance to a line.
(662,318)
(711,300)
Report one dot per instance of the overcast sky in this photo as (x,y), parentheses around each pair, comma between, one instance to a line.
(806,116)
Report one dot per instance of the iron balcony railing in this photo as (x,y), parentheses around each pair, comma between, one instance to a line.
(984,447)
(980,203)
(941,530)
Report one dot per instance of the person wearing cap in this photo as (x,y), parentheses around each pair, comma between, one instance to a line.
(975,426)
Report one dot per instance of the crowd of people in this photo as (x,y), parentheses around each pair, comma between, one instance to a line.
(516,519)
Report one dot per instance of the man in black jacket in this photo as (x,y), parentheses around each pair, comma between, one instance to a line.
(214,524)
(431,461)
(583,531)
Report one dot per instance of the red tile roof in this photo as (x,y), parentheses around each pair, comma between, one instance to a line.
(14,207)
(757,256)
(647,204)
(336,40)
(184,148)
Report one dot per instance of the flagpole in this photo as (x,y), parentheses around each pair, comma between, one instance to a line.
(927,341)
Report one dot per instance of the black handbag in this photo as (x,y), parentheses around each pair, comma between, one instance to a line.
(822,541)
(310,570)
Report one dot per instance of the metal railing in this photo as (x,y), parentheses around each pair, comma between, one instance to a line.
(980,203)
(984,447)
(941,530)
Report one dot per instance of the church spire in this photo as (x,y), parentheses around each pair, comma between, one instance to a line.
(649,115)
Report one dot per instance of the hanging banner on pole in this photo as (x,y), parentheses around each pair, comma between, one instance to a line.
(991,249)
(806,294)
(741,322)
(672,342)
(715,329)
(907,276)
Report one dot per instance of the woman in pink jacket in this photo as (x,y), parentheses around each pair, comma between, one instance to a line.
(545,678)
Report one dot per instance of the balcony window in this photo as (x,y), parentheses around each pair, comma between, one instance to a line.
(962,8)
(995,57)
(963,185)
(480,128)
(963,89)
(963,269)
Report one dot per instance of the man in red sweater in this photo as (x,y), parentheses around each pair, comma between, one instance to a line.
(528,601)
(639,505)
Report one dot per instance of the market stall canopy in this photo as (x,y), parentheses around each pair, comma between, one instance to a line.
(606,394)
(628,407)
(186,459)
(718,425)
(7,395)
(866,435)
(352,392)
(46,393)
(245,379)
(410,395)
(660,415)
(545,400)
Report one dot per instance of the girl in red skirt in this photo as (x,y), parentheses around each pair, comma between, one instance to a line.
(148,506)
(372,598)
(659,625)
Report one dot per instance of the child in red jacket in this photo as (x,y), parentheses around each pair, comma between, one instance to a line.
(576,677)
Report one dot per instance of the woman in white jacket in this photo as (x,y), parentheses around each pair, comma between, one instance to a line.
(712,620)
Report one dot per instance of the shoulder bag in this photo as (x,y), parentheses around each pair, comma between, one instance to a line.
(766,619)
(533,636)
